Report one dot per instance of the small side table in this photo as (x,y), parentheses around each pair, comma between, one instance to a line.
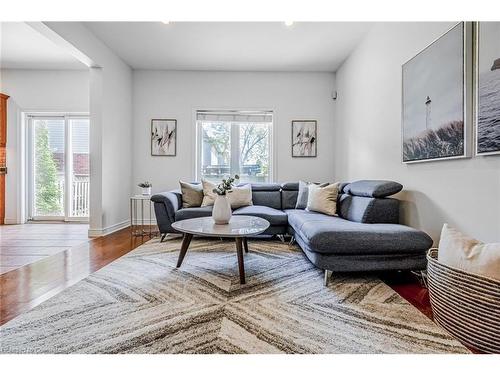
(137,215)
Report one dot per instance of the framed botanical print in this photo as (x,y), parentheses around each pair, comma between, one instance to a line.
(487,74)
(163,137)
(435,99)
(304,138)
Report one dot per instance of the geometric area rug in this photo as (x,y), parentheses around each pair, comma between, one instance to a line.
(141,303)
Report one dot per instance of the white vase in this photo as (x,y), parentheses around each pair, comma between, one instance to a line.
(146,190)
(222,210)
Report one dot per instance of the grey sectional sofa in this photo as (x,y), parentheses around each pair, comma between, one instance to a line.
(365,236)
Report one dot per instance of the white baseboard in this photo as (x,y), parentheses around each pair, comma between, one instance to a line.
(8,221)
(108,230)
(146,222)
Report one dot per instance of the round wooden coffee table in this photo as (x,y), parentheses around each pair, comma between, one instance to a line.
(240,227)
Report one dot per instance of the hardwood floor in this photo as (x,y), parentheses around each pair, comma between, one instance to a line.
(25,287)
(28,243)
(410,288)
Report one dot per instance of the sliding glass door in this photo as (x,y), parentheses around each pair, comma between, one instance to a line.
(58,168)
(48,167)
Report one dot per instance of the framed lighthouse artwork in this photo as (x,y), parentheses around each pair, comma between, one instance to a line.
(487,74)
(436,99)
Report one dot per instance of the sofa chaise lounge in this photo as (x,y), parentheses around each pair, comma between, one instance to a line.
(365,236)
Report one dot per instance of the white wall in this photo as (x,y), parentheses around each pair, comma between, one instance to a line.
(35,90)
(464,193)
(169,94)
(110,125)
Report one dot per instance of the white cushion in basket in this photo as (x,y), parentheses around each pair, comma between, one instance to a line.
(468,254)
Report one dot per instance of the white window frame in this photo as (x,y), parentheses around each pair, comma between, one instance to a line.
(234,140)
(68,165)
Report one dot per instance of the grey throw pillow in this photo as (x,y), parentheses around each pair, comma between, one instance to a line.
(304,192)
(192,194)
(302,196)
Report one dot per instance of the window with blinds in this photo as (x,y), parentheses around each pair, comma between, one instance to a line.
(234,142)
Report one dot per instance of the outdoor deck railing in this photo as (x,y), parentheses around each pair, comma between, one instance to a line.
(80,197)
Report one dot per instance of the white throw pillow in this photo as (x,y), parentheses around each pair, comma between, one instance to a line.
(208,193)
(468,254)
(303,193)
(192,194)
(323,198)
(240,196)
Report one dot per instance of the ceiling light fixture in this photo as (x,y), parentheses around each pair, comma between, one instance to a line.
(165,22)
(288,23)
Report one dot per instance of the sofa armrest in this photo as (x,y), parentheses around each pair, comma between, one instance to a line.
(166,205)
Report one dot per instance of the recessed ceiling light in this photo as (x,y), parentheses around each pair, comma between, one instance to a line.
(288,23)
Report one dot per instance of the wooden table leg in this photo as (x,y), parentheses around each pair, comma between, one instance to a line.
(186,240)
(245,244)
(241,266)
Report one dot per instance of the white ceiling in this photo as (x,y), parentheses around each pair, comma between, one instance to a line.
(235,46)
(22,47)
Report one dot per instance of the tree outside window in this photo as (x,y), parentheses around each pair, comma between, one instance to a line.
(48,192)
(234,147)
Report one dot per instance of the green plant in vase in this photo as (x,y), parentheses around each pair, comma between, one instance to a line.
(145,187)
(226,185)
(222,207)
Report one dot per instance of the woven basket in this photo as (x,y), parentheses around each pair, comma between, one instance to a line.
(466,305)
